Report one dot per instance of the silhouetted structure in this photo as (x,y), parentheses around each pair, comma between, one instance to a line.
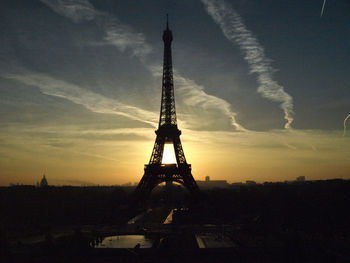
(43,182)
(212,183)
(300,179)
(250,182)
(168,132)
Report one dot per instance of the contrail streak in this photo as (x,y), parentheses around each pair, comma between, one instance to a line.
(324,3)
(126,38)
(347,117)
(194,95)
(122,36)
(235,31)
(90,100)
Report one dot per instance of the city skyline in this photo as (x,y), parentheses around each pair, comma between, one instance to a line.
(261,90)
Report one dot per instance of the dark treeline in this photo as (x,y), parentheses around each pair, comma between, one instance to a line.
(297,205)
(27,209)
(308,220)
(306,205)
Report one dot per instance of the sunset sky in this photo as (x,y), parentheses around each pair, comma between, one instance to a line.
(262,88)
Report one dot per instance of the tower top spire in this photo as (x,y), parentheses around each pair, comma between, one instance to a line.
(167,35)
(167,22)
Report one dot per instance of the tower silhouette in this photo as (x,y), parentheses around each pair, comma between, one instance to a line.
(168,132)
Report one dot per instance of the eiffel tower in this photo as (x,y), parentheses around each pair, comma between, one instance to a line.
(168,132)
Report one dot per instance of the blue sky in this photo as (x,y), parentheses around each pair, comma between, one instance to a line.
(80,83)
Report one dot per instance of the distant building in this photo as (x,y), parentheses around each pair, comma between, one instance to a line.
(43,182)
(249,182)
(212,183)
(300,179)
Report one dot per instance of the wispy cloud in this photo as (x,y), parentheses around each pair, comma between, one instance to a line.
(194,95)
(323,5)
(76,10)
(126,38)
(122,36)
(90,100)
(73,131)
(347,117)
(235,30)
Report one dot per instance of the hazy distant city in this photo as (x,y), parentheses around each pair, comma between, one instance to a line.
(206,183)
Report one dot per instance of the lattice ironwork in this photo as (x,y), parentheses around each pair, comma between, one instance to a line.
(167,109)
(168,132)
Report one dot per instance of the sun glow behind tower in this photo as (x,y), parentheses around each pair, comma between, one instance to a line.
(168,154)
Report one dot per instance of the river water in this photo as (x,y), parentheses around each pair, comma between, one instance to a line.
(169,218)
(125,241)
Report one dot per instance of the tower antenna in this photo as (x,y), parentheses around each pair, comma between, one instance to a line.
(167,21)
